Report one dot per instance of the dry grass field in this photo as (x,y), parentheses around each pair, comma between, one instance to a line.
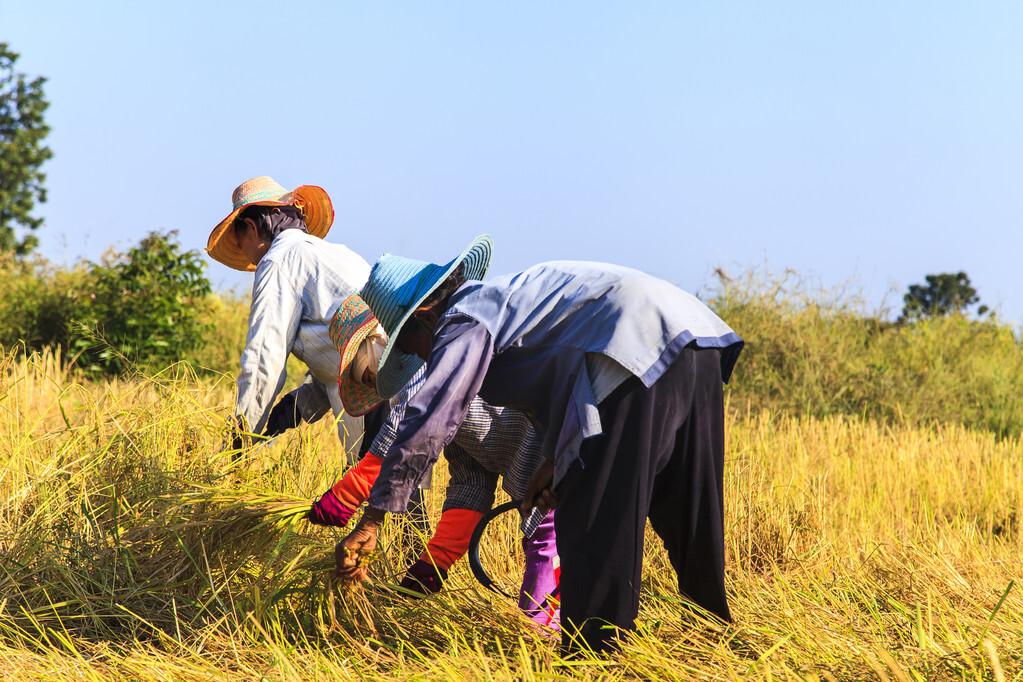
(130,546)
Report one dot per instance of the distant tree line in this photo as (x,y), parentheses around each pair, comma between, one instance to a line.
(944,294)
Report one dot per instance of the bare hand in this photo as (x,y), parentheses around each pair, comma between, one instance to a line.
(540,491)
(351,554)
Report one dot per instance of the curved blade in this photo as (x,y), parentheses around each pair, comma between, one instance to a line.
(474,547)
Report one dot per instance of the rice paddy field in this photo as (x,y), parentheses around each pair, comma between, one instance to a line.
(131,546)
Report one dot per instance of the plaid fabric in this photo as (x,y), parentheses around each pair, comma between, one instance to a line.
(389,431)
(471,486)
(491,442)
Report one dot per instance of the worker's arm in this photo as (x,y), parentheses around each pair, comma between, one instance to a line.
(455,371)
(307,403)
(336,506)
(470,494)
(449,543)
(454,374)
(273,325)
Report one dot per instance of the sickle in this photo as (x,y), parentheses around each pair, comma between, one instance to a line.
(474,547)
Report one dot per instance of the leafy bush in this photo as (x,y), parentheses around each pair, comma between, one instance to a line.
(819,353)
(807,352)
(145,309)
(224,339)
(38,301)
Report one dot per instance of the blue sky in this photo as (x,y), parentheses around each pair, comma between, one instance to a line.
(867,142)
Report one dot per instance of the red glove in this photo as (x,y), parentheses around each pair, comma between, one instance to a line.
(336,506)
(329,511)
(450,541)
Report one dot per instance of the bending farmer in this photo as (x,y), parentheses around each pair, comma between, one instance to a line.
(489,442)
(299,279)
(624,373)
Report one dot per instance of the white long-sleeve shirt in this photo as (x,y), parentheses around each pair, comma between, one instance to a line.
(298,286)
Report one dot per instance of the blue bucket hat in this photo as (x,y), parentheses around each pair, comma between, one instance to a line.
(396,287)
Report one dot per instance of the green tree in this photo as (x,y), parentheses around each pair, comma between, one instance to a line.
(22,153)
(147,308)
(942,295)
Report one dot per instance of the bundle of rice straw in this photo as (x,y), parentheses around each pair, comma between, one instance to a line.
(238,527)
(248,519)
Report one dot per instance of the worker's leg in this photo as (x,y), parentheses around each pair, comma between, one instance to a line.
(539,581)
(603,503)
(687,511)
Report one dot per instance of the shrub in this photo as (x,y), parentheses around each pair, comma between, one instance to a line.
(225,337)
(38,302)
(145,309)
(148,308)
(807,352)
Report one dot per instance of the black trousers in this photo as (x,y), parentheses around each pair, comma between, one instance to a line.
(660,456)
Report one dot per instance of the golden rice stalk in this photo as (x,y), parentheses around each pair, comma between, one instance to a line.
(243,522)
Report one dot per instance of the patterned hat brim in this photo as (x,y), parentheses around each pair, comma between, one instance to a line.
(357,397)
(317,208)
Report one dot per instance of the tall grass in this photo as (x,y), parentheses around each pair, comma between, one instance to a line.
(820,353)
(808,352)
(131,545)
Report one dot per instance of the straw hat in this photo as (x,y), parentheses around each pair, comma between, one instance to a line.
(353,323)
(265,191)
(396,287)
